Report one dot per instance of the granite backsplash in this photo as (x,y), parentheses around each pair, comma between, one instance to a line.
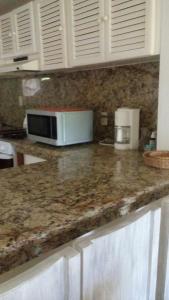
(103,90)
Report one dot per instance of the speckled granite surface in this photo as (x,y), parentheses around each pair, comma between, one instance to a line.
(78,189)
(102,90)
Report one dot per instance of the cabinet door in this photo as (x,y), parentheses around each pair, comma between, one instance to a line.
(121,262)
(129,28)
(162,291)
(55,278)
(24,29)
(51,18)
(7,46)
(85,31)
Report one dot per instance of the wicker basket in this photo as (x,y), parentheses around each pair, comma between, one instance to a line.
(157,159)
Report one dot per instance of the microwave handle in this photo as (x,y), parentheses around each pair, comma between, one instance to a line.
(64,127)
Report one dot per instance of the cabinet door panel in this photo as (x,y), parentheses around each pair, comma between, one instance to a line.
(128,28)
(25,29)
(52,34)
(85,31)
(121,263)
(162,291)
(55,278)
(6,36)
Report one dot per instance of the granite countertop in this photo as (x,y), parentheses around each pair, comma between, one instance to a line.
(76,190)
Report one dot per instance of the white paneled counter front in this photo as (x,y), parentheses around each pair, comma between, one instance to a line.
(125,260)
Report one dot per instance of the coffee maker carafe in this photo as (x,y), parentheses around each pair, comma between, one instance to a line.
(127,128)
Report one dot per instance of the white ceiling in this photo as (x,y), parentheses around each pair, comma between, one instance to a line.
(7,5)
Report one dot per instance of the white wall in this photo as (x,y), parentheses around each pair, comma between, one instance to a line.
(163,103)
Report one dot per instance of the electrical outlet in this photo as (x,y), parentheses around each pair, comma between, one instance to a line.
(104,119)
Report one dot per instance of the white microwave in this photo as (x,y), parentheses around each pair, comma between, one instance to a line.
(60,127)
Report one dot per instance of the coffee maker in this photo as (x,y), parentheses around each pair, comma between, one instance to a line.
(127,128)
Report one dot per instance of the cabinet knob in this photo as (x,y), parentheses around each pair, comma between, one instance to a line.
(14,33)
(60,28)
(105,18)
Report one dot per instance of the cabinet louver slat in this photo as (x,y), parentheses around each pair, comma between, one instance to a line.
(52,33)
(130,16)
(86,32)
(7,43)
(127,30)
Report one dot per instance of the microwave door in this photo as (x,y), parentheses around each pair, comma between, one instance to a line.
(39,125)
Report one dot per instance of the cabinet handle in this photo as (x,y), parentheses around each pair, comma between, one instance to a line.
(105,18)
(60,28)
(14,33)
(102,19)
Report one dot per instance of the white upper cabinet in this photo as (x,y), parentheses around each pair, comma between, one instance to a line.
(85,31)
(130,28)
(7,46)
(51,27)
(69,33)
(25,29)
(107,30)
(17,32)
